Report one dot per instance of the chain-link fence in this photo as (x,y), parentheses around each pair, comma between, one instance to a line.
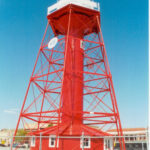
(138,142)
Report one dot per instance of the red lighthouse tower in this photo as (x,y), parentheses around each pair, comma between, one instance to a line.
(71,84)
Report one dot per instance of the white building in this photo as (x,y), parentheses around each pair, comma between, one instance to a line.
(5,135)
(135,138)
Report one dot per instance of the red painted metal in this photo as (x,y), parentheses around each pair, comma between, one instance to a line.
(72,90)
(71,84)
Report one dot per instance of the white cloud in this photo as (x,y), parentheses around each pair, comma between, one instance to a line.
(14,109)
(11,111)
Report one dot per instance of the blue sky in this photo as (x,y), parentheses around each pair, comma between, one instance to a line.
(125,32)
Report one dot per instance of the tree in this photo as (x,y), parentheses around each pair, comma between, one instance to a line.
(21,133)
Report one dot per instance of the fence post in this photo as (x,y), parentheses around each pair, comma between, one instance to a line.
(82,140)
(142,146)
(147,140)
(40,146)
(11,142)
(104,143)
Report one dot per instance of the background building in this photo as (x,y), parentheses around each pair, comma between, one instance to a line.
(5,135)
(135,138)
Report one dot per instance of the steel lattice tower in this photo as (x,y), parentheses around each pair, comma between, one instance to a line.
(71,84)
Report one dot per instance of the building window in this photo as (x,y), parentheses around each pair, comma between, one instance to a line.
(81,44)
(108,144)
(126,138)
(52,141)
(85,142)
(33,141)
(132,138)
(117,139)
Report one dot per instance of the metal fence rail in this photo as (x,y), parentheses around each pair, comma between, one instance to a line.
(132,142)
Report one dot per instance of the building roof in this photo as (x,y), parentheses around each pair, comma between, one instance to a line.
(129,129)
(70,130)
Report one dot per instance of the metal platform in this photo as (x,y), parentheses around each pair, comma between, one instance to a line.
(84,3)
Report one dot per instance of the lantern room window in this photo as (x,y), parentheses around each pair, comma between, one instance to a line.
(85,142)
(52,141)
(33,141)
